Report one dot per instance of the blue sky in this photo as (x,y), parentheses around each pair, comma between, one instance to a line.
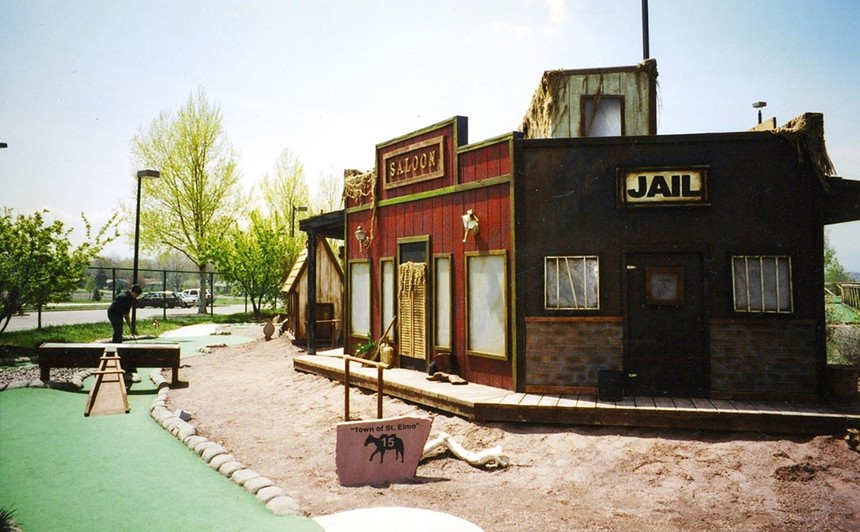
(330,79)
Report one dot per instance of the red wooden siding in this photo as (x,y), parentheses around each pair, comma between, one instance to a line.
(486,162)
(449,150)
(439,219)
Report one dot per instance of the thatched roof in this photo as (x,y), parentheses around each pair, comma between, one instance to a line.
(806,134)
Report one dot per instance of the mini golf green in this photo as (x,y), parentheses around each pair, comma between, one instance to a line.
(63,471)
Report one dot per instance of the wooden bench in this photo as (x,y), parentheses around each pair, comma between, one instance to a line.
(88,355)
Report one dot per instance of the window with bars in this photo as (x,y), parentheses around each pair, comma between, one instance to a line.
(762,283)
(572,283)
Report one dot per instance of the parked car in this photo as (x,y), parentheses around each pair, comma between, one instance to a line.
(192,296)
(161,299)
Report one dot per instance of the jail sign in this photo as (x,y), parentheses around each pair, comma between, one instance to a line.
(659,186)
(380,450)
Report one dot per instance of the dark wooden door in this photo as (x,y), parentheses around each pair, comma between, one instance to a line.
(664,325)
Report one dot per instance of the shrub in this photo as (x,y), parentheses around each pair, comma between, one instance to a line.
(843,344)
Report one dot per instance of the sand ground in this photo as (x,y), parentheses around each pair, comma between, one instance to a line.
(282,424)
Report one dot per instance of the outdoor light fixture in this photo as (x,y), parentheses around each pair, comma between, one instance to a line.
(293,220)
(141,175)
(759,106)
(470,224)
(361,236)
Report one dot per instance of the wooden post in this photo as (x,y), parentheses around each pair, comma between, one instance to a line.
(345,388)
(379,383)
(379,370)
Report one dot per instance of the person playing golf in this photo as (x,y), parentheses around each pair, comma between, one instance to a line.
(120,310)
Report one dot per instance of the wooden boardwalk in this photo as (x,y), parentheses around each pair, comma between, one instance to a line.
(484,403)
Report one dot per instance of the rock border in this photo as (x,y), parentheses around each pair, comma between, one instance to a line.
(74,385)
(216,456)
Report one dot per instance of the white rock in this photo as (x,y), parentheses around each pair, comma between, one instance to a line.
(192,441)
(256,484)
(283,505)
(212,451)
(199,448)
(270,492)
(230,467)
(242,476)
(220,460)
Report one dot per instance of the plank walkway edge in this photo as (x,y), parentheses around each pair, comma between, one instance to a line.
(482,403)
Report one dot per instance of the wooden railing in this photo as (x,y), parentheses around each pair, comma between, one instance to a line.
(379,383)
(850,294)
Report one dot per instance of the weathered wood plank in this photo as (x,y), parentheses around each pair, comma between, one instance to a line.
(664,403)
(512,399)
(530,400)
(723,406)
(567,401)
(586,401)
(645,402)
(656,412)
(548,401)
(684,405)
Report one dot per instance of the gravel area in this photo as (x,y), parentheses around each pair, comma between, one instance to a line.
(30,374)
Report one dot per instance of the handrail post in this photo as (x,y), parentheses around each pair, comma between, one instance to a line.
(346,389)
(379,370)
(380,367)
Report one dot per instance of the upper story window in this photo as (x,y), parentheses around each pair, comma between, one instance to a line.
(602,116)
(762,283)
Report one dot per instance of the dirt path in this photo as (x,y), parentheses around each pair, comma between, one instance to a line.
(281,423)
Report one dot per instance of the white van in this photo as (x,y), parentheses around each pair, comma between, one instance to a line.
(192,296)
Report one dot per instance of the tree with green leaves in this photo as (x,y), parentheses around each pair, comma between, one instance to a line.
(834,272)
(329,196)
(197,197)
(284,191)
(256,259)
(38,264)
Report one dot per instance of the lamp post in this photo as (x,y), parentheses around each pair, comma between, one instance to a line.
(293,219)
(759,106)
(141,175)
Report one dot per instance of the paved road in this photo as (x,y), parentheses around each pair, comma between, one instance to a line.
(71,317)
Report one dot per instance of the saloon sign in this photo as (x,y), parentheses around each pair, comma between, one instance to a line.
(414,163)
(658,186)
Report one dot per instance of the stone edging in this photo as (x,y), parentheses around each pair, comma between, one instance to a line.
(274,497)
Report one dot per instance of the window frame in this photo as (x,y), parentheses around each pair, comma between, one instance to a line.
(585,259)
(353,264)
(478,351)
(390,295)
(437,307)
(763,283)
(584,131)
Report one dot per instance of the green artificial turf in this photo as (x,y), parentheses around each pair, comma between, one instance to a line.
(64,471)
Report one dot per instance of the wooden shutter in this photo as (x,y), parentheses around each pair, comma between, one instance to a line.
(413,305)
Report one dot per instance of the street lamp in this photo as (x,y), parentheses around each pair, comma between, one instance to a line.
(141,175)
(759,106)
(293,219)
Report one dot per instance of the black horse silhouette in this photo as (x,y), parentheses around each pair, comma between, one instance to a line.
(386,442)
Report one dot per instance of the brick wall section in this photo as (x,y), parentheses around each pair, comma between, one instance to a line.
(569,352)
(768,359)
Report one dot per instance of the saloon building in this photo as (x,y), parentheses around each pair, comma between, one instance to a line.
(540,260)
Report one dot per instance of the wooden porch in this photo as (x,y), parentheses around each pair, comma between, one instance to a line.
(477,402)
